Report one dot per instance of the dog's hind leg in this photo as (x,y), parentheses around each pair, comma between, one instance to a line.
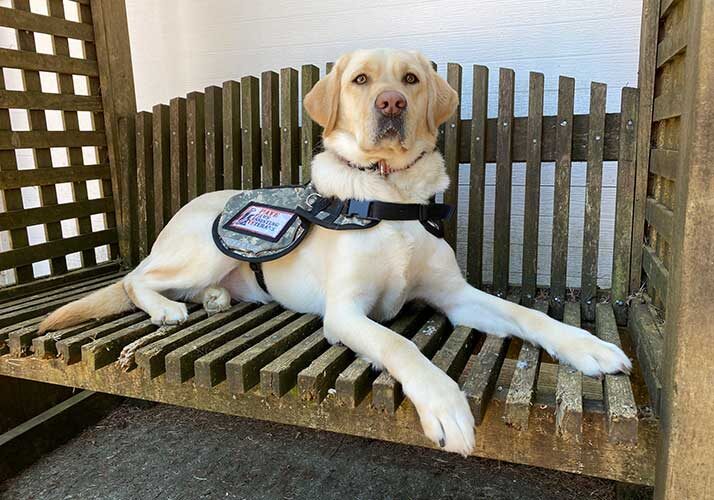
(143,290)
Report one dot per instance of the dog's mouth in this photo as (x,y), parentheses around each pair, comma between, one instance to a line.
(389,128)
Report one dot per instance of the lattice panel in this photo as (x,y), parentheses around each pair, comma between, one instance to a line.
(57,211)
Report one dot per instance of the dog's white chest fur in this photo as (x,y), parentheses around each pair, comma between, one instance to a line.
(381,264)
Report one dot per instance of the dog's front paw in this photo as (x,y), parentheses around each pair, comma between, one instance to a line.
(593,356)
(445,414)
(170,313)
(216,299)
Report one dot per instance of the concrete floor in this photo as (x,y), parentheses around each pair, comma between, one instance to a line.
(147,451)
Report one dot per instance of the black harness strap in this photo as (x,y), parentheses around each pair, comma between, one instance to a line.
(382,210)
(257,268)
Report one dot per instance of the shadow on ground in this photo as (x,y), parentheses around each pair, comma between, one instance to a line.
(146,451)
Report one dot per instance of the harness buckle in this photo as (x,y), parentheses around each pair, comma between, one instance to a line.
(358,208)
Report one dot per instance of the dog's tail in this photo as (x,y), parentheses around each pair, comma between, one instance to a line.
(104,302)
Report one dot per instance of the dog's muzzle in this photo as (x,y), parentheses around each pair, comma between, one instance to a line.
(389,127)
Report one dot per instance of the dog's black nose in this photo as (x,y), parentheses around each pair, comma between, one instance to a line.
(391,103)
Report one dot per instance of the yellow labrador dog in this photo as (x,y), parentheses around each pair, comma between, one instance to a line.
(377,107)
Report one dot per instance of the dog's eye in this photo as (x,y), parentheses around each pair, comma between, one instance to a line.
(361,79)
(411,79)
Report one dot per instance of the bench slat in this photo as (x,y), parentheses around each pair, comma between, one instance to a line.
(569,388)
(386,390)
(619,400)
(243,371)
(151,358)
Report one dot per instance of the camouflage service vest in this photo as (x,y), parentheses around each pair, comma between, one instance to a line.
(265,224)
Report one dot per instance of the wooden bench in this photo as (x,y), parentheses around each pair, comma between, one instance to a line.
(648,164)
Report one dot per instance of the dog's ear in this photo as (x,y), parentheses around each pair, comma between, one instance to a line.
(323,100)
(443,100)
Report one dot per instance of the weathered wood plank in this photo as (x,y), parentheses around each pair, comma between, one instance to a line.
(593,195)
(663,162)
(477,176)
(452,133)
(13,179)
(522,389)
(70,348)
(532,196)
(101,352)
(684,458)
(38,23)
(354,383)
(232,155)
(250,118)
(671,46)
(17,99)
(128,227)
(619,400)
(315,381)
(386,390)
(151,358)
(667,106)
(33,61)
(270,128)
(144,182)
(595,456)
(521,392)
(178,155)
(650,23)
(44,345)
(42,251)
(569,389)
(660,217)
(43,295)
(112,54)
(290,133)
(519,144)
(210,369)
(54,282)
(161,169)
(481,379)
(310,137)
(196,145)
(180,362)
(625,214)
(280,375)
(50,139)
(649,345)
(214,138)
(657,274)
(561,201)
(502,220)
(243,371)
(455,352)
(42,215)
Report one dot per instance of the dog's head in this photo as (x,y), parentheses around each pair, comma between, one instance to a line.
(381,104)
